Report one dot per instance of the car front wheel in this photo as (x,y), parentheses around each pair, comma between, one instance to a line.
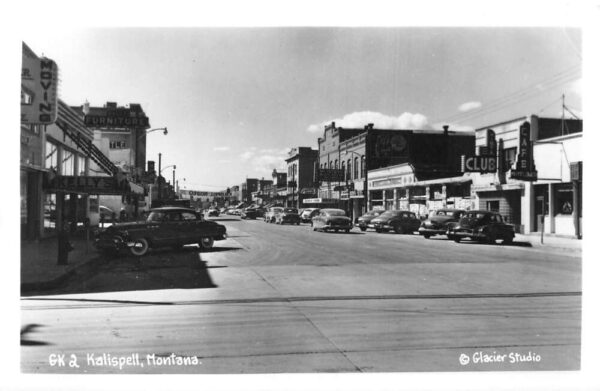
(140,247)
(207,242)
(398,229)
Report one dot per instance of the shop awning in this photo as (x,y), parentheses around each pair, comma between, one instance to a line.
(135,188)
(440,181)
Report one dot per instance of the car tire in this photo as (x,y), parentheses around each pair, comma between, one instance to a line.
(426,236)
(508,240)
(140,247)
(363,229)
(490,238)
(456,239)
(347,231)
(399,229)
(206,242)
(378,230)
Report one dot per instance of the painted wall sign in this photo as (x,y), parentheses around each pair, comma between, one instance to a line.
(86,184)
(116,121)
(525,166)
(39,84)
(313,200)
(329,175)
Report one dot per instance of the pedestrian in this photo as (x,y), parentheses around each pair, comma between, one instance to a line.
(64,244)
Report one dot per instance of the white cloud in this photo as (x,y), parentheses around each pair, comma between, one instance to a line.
(468,106)
(380,121)
(247,155)
(221,149)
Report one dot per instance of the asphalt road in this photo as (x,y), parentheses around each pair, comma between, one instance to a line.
(274,299)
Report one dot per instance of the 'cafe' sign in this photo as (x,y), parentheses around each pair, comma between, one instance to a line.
(525,170)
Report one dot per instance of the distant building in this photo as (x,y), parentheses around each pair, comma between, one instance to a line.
(249,186)
(301,173)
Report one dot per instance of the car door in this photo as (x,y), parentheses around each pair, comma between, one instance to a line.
(189,228)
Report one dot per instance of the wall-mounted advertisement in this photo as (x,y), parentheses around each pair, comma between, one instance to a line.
(39,82)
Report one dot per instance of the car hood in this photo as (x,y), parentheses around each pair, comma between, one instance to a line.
(380,220)
(440,219)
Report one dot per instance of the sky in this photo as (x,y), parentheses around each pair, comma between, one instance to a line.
(235,100)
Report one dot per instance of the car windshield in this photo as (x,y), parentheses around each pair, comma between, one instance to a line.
(445,213)
(335,212)
(372,213)
(290,210)
(278,210)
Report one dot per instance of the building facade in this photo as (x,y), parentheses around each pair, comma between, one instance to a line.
(301,174)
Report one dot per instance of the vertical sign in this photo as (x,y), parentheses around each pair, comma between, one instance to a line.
(39,81)
(525,169)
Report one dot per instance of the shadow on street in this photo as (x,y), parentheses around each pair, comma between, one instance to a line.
(28,329)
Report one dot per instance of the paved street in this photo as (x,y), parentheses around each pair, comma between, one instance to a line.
(276,298)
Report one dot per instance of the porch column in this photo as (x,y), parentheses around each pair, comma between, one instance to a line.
(383,196)
(551,208)
(444,203)
(396,202)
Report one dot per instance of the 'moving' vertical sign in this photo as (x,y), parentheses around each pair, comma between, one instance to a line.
(39,82)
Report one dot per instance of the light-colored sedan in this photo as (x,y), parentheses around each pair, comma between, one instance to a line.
(272,213)
(331,220)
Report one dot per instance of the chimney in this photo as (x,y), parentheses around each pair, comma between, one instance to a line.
(86,107)
(446,130)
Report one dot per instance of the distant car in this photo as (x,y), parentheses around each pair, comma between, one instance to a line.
(166,226)
(399,221)
(249,213)
(483,226)
(439,222)
(364,221)
(288,216)
(308,213)
(212,212)
(331,220)
(271,214)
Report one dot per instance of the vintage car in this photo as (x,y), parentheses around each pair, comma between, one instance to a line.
(164,227)
(249,213)
(271,214)
(483,226)
(399,221)
(288,216)
(212,212)
(364,221)
(331,220)
(307,214)
(439,222)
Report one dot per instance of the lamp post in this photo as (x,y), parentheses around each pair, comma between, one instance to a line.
(136,152)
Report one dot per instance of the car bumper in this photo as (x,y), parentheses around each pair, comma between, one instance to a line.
(382,227)
(110,244)
(338,226)
(467,233)
(431,231)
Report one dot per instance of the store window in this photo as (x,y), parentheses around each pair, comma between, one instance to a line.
(50,212)
(493,206)
(564,199)
(117,144)
(510,157)
(68,163)
(80,165)
(51,161)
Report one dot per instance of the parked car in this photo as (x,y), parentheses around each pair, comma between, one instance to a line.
(212,212)
(331,219)
(483,226)
(439,222)
(364,221)
(307,214)
(399,221)
(166,226)
(271,215)
(288,216)
(249,213)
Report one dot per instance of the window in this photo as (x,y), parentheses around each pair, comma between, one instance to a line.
(493,206)
(117,144)
(564,199)
(362,166)
(355,167)
(336,164)
(344,169)
(68,163)
(348,176)
(188,216)
(51,156)
(80,165)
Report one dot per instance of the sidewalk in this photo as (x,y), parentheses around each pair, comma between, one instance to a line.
(551,241)
(39,258)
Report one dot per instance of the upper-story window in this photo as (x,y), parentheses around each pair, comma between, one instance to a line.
(336,164)
(356,168)
(117,144)
(362,166)
(80,165)
(51,161)
(510,156)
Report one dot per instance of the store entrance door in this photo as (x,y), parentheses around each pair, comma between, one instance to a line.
(539,213)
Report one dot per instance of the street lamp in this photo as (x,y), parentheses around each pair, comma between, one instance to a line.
(165,131)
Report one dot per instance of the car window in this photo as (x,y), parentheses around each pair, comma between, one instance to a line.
(188,216)
(156,216)
(173,216)
(336,212)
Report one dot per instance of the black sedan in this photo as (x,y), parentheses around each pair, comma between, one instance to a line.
(482,226)
(399,221)
(164,227)
(364,221)
(288,216)
(439,222)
